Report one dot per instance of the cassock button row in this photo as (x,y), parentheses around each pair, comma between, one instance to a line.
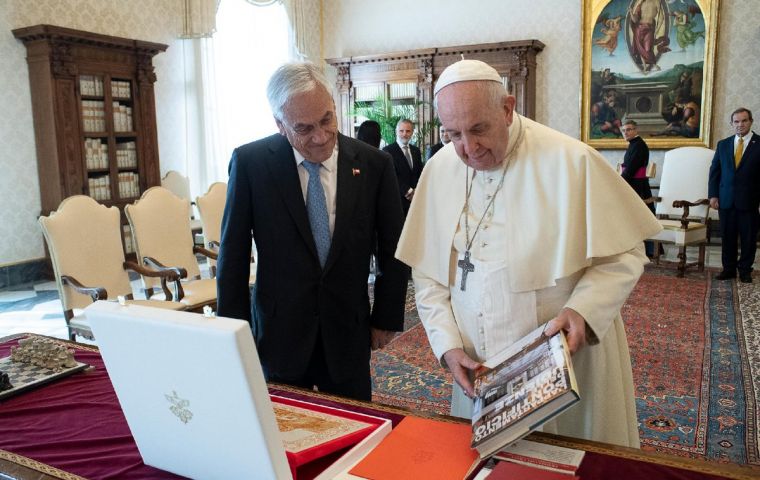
(490,179)
(483,348)
(481,330)
(480,315)
(484,244)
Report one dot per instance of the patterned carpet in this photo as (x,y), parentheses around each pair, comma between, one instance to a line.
(695,349)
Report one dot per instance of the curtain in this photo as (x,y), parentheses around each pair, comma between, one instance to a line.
(297,17)
(225,78)
(199,20)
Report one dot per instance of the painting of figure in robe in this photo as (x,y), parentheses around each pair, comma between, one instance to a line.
(648,32)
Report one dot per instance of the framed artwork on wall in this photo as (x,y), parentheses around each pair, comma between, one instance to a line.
(651,61)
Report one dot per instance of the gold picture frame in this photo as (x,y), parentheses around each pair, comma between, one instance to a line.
(651,61)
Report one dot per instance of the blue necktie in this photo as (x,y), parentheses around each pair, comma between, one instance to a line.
(317,209)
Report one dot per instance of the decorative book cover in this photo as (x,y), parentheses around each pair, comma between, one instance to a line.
(520,388)
(311,433)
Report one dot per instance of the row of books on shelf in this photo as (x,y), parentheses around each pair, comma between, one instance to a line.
(100,187)
(129,185)
(122,117)
(94,115)
(121,89)
(95,154)
(126,155)
(90,85)
(129,246)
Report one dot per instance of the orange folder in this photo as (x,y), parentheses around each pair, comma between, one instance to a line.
(421,449)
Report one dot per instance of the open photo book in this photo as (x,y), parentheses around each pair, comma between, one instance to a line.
(520,389)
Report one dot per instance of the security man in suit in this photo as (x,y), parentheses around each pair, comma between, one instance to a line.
(313,200)
(734,190)
(407,159)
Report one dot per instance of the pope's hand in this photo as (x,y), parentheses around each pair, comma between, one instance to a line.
(459,363)
(380,338)
(714,203)
(574,326)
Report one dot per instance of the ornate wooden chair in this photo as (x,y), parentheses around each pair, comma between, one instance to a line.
(682,205)
(179,185)
(84,240)
(161,232)
(211,209)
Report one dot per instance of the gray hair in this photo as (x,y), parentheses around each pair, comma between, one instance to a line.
(291,79)
(496,92)
(405,120)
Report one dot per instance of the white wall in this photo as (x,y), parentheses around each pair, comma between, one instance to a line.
(363,27)
(151,20)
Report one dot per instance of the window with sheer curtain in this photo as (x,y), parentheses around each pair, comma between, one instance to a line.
(231,73)
(250,43)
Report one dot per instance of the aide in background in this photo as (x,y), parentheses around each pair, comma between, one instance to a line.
(518,226)
(734,190)
(634,171)
(314,201)
(444,139)
(407,159)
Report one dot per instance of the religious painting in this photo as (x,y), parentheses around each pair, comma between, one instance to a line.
(650,61)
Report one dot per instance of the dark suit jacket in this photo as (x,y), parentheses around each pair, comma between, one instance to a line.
(407,177)
(736,188)
(637,157)
(432,150)
(294,299)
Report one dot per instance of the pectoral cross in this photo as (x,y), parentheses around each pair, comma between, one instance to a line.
(467,266)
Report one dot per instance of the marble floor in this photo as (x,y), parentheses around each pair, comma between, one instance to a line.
(37,308)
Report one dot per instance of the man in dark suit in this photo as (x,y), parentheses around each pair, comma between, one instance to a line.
(407,160)
(634,171)
(444,139)
(734,191)
(313,200)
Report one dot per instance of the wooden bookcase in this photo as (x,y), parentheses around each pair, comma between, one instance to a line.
(94,114)
(515,61)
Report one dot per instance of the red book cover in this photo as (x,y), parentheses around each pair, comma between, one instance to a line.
(511,471)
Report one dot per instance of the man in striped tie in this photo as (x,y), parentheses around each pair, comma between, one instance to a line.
(314,202)
(734,192)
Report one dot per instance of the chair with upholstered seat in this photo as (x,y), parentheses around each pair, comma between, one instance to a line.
(211,209)
(682,205)
(161,232)
(179,185)
(84,241)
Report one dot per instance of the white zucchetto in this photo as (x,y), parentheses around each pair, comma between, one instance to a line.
(466,70)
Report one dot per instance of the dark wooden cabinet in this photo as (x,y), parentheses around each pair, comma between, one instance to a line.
(94,114)
(361,78)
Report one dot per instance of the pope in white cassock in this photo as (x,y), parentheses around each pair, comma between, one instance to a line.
(515,225)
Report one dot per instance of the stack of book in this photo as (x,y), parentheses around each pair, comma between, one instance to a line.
(95,154)
(126,155)
(99,187)
(121,89)
(90,85)
(129,185)
(122,117)
(93,116)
